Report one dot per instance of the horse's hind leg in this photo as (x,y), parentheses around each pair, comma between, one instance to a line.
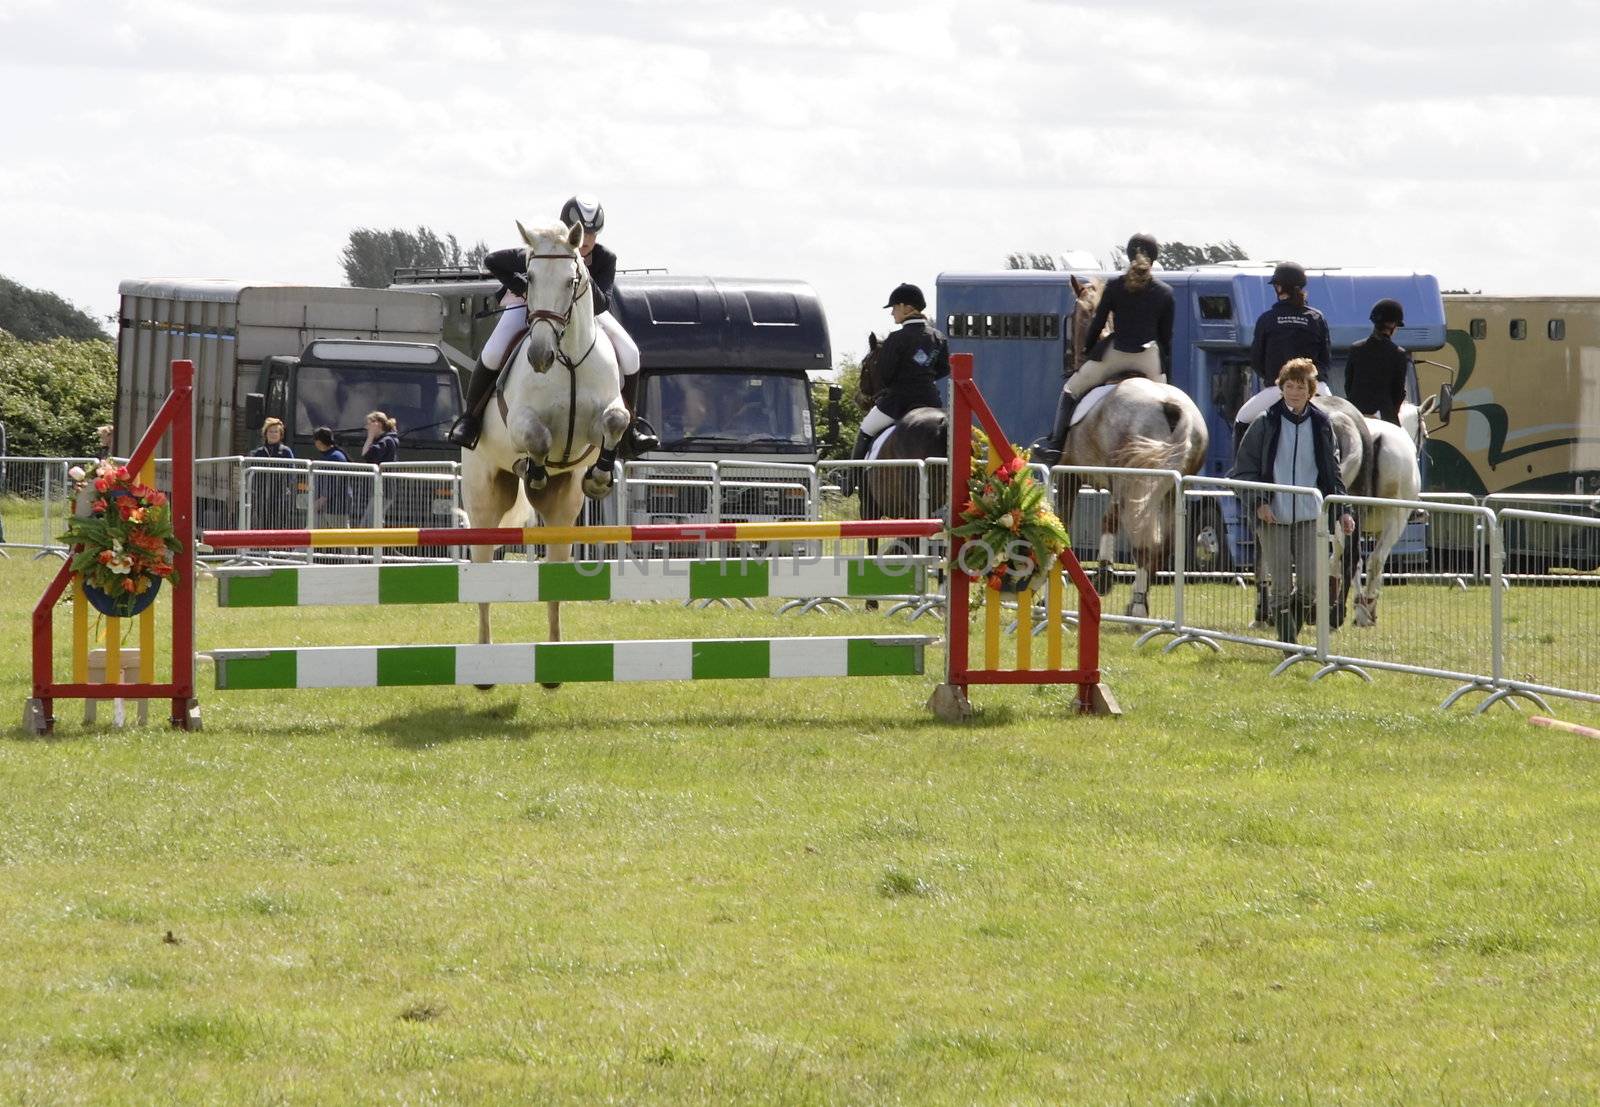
(1139,604)
(1104,578)
(489,498)
(559,506)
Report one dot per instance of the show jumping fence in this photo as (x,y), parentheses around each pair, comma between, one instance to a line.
(562,662)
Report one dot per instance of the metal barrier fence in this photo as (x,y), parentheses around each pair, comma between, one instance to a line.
(1427,624)
(1141,553)
(1502,597)
(1550,623)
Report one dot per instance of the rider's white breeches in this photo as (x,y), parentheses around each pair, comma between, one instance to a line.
(876,422)
(513,324)
(507,329)
(1093,373)
(622,342)
(1257,405)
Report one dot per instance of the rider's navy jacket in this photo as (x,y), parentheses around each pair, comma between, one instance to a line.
(510,268)
(909,361)
(1285,332)
(1375,376)
(1143,316)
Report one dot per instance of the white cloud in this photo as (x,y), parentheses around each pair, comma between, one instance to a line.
(851,145)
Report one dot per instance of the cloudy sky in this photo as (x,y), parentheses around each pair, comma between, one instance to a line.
(853,145)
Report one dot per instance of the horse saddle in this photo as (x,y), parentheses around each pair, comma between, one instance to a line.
(1089,402)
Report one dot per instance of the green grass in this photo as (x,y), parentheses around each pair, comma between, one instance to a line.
(1245,891)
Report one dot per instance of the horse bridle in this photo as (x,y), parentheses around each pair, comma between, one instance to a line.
(558,320)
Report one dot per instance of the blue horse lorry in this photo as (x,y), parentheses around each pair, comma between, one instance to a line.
(1018,323)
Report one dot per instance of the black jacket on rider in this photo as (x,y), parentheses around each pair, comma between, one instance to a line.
(910,360)
(1142,316)
(510,268)
(1375,377)
(1286,331)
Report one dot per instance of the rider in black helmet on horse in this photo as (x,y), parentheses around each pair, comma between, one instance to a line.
(1288,329)
(510,268)
(1141,306)
(1375,374)
(910,360)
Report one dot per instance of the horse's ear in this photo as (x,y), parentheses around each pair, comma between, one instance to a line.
(1077,285)
(872,340)
(575,235)
(523,231)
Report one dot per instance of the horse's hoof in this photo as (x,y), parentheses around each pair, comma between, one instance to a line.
(598,483)
(549,687)
(484,687)
(870,605)
(1137,611)
(534,476)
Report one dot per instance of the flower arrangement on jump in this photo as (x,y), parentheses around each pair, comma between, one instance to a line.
(1009,522)
(126,543)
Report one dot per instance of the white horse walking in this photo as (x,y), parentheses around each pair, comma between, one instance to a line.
(550,432)
(1139,424)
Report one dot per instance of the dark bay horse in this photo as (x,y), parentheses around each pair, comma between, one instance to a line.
(890,492)
(923,433)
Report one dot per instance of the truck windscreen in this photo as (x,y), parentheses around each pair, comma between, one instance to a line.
(422,403)
(708,409)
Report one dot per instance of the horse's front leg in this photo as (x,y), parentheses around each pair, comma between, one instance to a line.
(533,441)
(609,428)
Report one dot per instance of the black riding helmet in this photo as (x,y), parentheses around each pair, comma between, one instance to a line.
(1145,244)
(585,210)
(1289,275)
(1388,311)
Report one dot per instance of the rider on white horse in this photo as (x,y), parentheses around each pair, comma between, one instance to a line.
(910,360)
(1289,329)
(1375,374)
(510,266)
(1142,307)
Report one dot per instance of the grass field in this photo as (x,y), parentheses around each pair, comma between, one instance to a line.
(1245,891)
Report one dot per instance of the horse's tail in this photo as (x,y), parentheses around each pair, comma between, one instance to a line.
(1143,498)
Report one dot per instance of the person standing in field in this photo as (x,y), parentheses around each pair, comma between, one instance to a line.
(1291,443)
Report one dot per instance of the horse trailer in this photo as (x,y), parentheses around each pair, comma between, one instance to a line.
(1018,323)
(725,368)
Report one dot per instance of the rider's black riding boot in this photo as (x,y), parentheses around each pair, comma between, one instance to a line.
(1238,436)
(635,440)
(850,479)
(464,431)
(1050,454)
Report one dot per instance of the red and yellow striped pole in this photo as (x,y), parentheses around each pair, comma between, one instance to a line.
(546,536)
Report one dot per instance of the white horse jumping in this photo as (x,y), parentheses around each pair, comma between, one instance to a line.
(550,433)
